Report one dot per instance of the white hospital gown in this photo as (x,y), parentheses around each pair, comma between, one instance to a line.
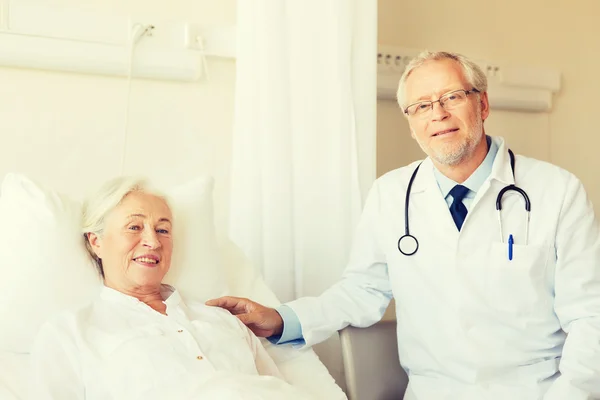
(119,348)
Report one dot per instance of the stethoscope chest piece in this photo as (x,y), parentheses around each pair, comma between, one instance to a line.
(408,245)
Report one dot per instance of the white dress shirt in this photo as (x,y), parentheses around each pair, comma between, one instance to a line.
(119,348)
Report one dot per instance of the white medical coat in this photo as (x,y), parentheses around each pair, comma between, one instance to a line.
(471,323)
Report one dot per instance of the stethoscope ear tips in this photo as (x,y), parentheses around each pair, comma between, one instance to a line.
(408,245)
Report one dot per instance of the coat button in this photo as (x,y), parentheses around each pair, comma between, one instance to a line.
(180,331)
(200,358)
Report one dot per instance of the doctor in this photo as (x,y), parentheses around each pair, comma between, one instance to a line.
(493,304)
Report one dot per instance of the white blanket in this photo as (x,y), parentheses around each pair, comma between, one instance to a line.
(230,386)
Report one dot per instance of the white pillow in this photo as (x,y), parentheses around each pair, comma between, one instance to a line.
(44,267)
(195,267)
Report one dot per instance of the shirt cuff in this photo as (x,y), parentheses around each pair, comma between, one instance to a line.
(292,330)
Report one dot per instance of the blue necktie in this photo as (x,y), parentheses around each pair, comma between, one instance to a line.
(457,208)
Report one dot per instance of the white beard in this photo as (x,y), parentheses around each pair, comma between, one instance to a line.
(455,153)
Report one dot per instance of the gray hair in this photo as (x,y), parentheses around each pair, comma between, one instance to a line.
(472,72)
(97,207)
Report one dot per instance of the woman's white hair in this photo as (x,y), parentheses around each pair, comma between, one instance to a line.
(472,72)
(97,207)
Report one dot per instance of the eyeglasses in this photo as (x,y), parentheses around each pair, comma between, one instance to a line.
(448,101)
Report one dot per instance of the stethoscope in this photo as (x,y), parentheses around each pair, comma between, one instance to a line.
(408,244)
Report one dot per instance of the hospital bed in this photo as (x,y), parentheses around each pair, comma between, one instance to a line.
(371,365)
(33,207)
(301,368)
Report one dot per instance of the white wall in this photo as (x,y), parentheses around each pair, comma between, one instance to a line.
(557,34)
(66,130)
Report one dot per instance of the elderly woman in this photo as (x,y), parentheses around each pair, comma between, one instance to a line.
(138,339)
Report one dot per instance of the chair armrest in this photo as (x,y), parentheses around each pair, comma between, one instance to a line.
(371,363)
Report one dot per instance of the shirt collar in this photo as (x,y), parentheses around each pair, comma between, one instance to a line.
(170,295)
(477,178)
(501,170)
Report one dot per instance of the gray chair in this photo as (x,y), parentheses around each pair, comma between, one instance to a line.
(371,365)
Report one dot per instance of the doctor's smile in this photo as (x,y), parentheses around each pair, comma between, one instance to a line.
(445,132)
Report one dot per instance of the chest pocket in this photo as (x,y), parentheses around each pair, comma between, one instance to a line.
(518,286)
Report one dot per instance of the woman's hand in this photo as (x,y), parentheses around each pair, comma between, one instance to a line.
(263,321)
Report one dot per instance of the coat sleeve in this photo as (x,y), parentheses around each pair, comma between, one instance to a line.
(577,297)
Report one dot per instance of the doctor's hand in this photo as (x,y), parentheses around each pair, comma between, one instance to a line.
(263,321)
